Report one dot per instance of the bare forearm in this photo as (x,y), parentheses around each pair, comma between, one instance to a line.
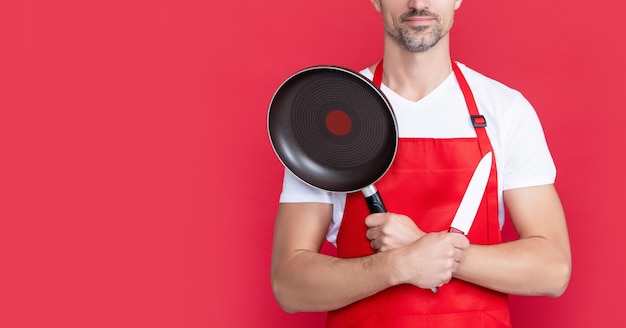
(305,280)
(315,282)
(528,266)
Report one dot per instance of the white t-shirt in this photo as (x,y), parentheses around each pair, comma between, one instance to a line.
(521,153)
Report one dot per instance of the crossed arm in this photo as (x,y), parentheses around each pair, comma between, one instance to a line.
(539,263)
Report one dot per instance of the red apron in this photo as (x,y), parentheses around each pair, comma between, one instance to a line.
(426,182)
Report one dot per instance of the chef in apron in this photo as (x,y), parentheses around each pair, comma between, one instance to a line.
(449,117)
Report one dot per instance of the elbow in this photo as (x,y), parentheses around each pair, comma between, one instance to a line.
(281,296)
(561,280)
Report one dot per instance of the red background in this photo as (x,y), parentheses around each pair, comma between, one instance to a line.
(138,186)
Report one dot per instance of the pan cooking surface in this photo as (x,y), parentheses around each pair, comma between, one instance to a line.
(332,129)
(323,96)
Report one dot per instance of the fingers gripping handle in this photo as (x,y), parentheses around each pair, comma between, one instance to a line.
(453,230)
(376,205)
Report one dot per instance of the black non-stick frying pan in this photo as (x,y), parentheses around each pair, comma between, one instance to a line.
(335,130)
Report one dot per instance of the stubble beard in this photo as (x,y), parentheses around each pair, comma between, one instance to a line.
(417,39)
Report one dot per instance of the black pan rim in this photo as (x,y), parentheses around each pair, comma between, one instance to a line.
(359,183)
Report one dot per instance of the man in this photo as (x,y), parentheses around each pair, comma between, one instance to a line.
(388,263)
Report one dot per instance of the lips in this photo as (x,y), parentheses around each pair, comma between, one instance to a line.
(418,16)
(419,19)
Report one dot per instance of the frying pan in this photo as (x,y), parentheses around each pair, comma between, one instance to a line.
(334,130)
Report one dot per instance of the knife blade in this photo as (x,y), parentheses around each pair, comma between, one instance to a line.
(466,212)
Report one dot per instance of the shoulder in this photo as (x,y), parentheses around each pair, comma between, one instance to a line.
(484,86)
(505,105)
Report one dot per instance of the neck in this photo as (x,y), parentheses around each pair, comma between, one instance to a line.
(415,75)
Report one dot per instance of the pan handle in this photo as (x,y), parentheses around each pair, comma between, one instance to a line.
(373,199)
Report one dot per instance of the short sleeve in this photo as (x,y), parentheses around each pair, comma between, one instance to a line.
(296,191)
(528,161)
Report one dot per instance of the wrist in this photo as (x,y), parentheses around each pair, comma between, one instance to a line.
(396,275)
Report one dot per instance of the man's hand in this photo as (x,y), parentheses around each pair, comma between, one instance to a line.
(387,231)
(424,260)
(430,261)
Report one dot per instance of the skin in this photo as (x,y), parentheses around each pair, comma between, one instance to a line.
(539,263)
(416,60)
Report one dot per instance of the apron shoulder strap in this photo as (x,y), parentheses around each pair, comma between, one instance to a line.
(478,121)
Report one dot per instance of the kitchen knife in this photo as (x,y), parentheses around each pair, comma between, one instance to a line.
(466,212)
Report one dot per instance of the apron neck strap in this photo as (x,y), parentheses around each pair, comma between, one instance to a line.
(378,74)
(467,92)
